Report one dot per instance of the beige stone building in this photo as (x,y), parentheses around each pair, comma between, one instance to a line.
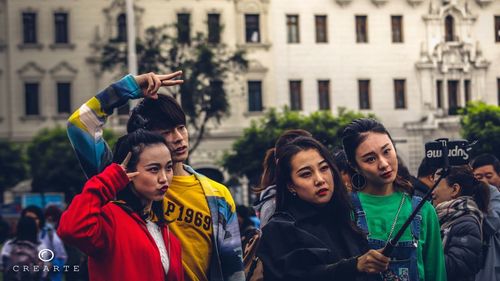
(411,62)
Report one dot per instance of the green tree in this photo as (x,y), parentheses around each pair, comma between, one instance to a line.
(205,67)
(481,122)
(13,165)
(248,151)
(54,166)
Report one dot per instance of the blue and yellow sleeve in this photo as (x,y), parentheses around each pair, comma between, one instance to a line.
(86,124)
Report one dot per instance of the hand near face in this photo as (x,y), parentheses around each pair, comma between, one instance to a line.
(150,83)
(124,167)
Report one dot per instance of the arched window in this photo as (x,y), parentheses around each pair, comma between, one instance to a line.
(449,28)
(121,23)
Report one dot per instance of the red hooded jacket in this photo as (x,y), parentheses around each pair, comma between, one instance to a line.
(117,241)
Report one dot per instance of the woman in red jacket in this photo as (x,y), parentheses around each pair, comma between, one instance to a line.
(127,239)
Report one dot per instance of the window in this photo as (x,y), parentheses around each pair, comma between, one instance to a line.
(361,29)
(183,28)
(449,29)
(214,28)
(29,28)
(63,97)
(61,28)
(292,28)
(439,93)
(467,89)
(399,93)
(497,28)
(254,95)
(31,98)
(252,29)
(121,24)
(397,29)
(321,29)
(324,94)
(296,95)
(364,94)
(452,97)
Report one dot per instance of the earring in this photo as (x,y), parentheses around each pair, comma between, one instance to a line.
(358,182)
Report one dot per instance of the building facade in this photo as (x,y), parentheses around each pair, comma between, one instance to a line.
(413,63)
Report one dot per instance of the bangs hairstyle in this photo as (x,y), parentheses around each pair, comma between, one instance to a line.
(161,114)
(356,133)
(135,143)
(340,202)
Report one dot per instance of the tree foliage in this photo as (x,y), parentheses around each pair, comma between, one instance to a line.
(13,165)
(205,66)
(481,122)
(248,151)
(54,166)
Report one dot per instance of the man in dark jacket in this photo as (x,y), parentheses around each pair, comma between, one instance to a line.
(425,178)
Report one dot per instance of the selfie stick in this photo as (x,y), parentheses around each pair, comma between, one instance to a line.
(389,247)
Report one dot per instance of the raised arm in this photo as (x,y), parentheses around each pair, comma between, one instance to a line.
(85,224)
(86,123)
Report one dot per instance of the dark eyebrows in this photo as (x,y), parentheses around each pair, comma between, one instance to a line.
(371,152)
(309,167)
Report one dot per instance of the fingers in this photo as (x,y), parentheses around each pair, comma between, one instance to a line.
(157,85)
(170,76)
(132,175)
(126,160)
(373,262)
(151,84)
(171,82)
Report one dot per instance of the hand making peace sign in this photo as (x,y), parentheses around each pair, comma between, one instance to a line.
(150,83)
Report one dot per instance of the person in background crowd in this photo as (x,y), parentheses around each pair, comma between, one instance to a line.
(247,226)
(311,235)
(203,210)
(50,238)
(424,180)
(266,189)
(487,169)
(47,234)
(461,202)
(346,171)
(385,202)
(128,239)
(4,230)
(23,251)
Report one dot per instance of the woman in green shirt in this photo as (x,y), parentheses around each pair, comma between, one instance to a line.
(383,201)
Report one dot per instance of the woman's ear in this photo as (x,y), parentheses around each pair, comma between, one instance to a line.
(456,189)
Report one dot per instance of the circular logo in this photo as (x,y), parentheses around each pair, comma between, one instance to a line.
(46,255)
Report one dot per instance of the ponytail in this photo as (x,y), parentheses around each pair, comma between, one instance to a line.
(481,195)
(470,186)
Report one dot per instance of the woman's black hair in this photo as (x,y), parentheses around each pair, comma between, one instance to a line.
(340,203)
(269,163)
(37,211)
(470,186)
(356,133)
(27,230)
(341,162)
(135,143)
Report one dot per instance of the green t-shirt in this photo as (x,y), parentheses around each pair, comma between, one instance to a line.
(380,213)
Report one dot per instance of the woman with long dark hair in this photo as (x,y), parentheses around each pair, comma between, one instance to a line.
(383,201)
(266,189)
(311,235)
(127,239)
(461,203)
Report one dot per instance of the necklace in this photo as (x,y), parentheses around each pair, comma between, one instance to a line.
(396,218)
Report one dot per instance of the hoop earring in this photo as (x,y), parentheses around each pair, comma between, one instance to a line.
(358,182)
